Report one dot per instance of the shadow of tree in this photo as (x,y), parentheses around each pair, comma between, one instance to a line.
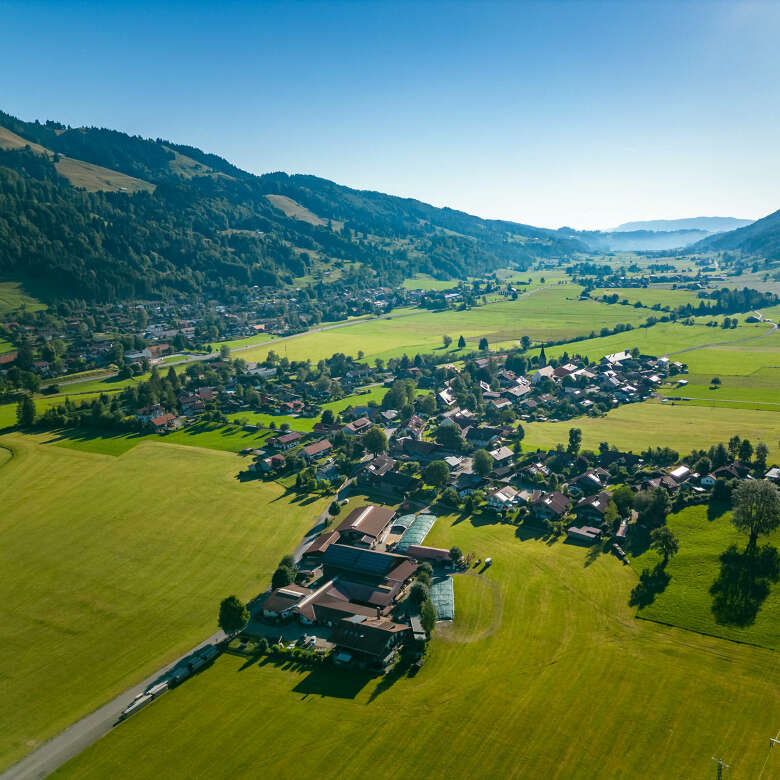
(638,541)
(401,669)
(717,508)
(743,584)
(650,584)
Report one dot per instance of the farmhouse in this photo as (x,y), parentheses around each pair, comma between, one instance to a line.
(316,450)
(356,427)
(365,526)
(371,640)
(550,506)
(593,508)
(503,498)
(285,441)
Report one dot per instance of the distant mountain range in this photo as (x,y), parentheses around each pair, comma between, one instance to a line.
(703,224)
(98,214)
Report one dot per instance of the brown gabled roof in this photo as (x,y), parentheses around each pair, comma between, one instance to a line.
(369,636)
(368,520)
(321,543)
(317,447)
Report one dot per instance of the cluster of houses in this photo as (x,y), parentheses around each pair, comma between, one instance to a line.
(352,584)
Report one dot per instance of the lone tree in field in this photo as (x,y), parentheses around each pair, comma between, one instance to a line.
(483,344)
(233,615)
(455,554)
(482,462)
(663,541)
(575,440)
(756,509)
(447,340)
(437,473)
(461,342)
(525,342)
(715,382)
(25,412)
(327,417)
(375,440)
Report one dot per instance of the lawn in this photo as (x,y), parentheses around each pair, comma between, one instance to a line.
(112,566)
(13,296)
(678,425)
(545,673)
(551,313)
(762,386)
(686,600)
(427,282)
(670,338)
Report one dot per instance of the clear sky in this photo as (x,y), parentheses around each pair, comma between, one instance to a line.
(585,114)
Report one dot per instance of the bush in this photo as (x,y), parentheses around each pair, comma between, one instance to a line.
(334,508)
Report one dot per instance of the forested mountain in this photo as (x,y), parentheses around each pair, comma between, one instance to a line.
(760,238)
(102,215)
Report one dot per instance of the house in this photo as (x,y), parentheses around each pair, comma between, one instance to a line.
(375,468)
(414,428)
(312,452)
(773,475)
(593,508)
(550,506)
(273,462)
(591,480)
(583,533)
(165,422)
(446,397)
(356,427)
(365,526)
(465,483)
(285,440)
(501,456)
(396,483)
(502,499)
(483,436)
(545,372)
(368,576)
(319,545)
(424,451)
(368,640)
(281,603)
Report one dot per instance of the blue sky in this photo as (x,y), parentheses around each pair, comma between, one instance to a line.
(558,113)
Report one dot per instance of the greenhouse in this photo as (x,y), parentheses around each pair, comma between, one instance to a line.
(443,598)
(416,532)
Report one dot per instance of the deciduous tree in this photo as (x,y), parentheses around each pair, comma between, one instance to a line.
(756,508)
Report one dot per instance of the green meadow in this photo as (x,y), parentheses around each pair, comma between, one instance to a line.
(13,296)
(544,673)
(742,614)
(652,424)
(113,566)
(547,314)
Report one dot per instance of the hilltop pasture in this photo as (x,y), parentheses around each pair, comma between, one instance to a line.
(545,672)
(113,566)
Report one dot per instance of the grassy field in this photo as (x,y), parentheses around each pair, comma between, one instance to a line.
(671,337)
(427,282)
(551,313)
(686,600)
(545,673)
(113,566)
(12,296)
(680,426)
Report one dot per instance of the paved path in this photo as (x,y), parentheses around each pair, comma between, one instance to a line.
(53,754)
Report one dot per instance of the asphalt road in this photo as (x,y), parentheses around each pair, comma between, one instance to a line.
(53,754)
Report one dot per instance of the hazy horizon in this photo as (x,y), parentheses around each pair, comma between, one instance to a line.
(586,115)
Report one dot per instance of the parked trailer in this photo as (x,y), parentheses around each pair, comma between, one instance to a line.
(135,705)
(157,690)
(209,653)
